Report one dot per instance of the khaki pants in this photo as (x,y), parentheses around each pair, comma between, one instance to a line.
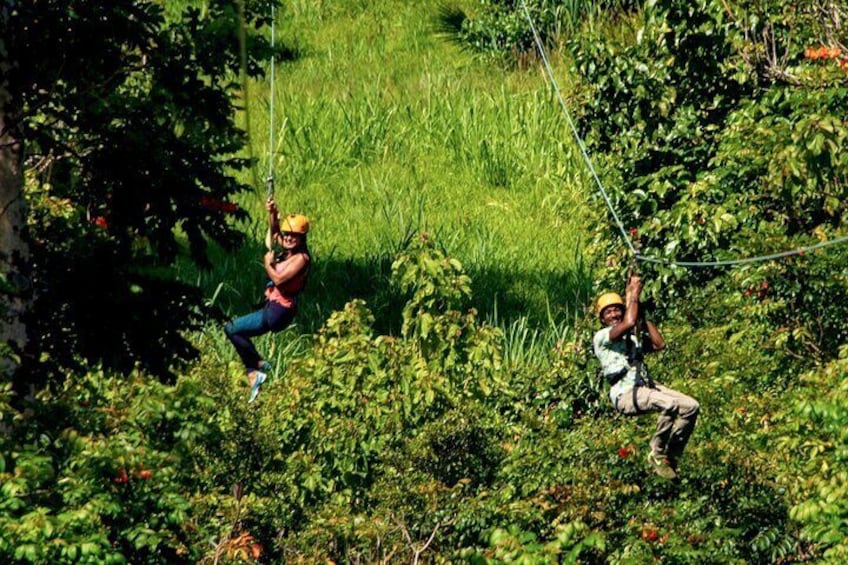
(676,422)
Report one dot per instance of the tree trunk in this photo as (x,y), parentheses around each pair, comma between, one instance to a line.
(14,252)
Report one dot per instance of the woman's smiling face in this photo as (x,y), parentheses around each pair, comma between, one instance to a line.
(290,240)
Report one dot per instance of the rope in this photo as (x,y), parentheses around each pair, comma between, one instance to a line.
(577,137)
(270,180)
(744,260)
(245,88)
(637,256)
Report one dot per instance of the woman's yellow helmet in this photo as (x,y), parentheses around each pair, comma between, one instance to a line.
(295,223)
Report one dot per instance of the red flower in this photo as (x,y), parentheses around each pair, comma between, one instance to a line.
(217,205)
(626,451)
(100,222)
(122,477)
(650,535)
(822,52)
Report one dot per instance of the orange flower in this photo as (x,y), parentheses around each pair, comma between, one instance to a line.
(822,52)
(256,550)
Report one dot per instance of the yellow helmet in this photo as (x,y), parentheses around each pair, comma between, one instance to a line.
(295,223)
(608,299)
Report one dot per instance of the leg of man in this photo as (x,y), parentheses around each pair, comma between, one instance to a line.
(640,400)
(684,423)
(676,420)
(643,399)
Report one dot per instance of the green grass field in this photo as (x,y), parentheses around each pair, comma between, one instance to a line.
(384,129)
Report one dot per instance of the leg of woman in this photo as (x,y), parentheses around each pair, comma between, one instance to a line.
(239,332)
(276,318)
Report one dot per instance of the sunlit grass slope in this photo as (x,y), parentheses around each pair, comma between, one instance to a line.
(384,129)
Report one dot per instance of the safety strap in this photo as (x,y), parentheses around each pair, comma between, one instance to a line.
(635,357)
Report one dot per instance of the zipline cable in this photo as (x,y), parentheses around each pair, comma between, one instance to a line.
(637,256)
(270,179)
(245,85)
(797,251)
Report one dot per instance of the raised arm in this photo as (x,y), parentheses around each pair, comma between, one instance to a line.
(631,309)
(273,219)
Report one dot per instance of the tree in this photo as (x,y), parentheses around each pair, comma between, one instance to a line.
(13,249)
(125,122)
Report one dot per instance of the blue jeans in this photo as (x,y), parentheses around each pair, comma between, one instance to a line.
(271,318)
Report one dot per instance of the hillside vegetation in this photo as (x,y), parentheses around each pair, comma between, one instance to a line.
(437,400)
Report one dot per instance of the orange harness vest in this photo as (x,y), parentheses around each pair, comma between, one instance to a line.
(285,293)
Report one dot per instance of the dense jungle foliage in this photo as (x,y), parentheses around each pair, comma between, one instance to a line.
(413,417)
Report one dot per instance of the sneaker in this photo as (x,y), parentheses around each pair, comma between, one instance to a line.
(265,367)
(661,466)
(257,384)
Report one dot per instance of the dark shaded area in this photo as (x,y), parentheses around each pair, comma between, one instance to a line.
(494,291)
(126,119)
(93,308)
(449,21)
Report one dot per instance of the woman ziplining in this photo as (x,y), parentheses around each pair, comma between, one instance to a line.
(287,272)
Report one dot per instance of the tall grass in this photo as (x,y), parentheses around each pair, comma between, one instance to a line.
(386,129)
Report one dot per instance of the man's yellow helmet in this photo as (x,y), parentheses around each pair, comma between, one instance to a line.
(608,299)
(295,223)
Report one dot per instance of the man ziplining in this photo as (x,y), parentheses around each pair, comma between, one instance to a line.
(620,347)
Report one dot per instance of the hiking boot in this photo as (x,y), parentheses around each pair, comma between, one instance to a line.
(672,462)
(661,466)
(257,383)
